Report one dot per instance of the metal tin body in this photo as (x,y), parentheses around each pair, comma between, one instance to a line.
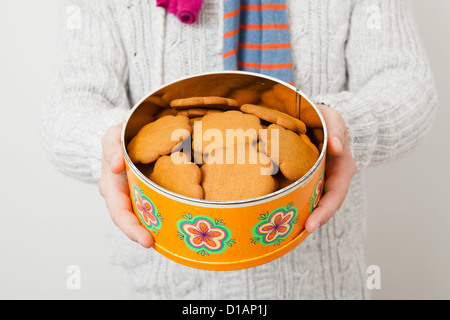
(226,235)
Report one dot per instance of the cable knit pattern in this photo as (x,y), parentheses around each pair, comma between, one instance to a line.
(376,76)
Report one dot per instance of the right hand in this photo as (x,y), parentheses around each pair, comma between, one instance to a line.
(113,187)
(339,171)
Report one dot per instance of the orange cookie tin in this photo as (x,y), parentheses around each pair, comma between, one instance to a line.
(225,235)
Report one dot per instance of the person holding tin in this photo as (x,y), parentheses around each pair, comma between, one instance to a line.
(361,62)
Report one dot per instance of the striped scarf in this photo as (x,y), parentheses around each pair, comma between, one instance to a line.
(256,38)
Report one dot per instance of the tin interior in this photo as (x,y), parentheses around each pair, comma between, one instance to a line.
(222,84)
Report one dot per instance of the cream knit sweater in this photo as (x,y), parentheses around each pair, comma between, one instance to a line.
(360,57)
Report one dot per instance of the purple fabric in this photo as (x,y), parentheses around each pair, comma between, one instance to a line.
(187,11)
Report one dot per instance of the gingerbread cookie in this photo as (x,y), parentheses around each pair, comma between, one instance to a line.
(156,138)
(224,129)
(292,153)
(269,100)
(166,112)
(178,174)
(246,176)
(287,97)
(205,102)
(246,95)
(196,112)
(275,117)
(313,147)
(283,182)
(309,115)
(193,120)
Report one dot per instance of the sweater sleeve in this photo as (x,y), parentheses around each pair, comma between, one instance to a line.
(89,94)
(390,102)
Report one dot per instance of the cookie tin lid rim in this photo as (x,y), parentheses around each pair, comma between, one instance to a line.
(233,203)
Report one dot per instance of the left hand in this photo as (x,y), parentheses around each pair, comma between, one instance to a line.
(340,168)
(113,187)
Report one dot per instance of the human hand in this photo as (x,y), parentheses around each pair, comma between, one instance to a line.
(340,168)
(113,187)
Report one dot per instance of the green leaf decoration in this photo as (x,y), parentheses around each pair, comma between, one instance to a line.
(187,216)
(231,242)
(180,235)
(203,252)
(278,241)
(263,216)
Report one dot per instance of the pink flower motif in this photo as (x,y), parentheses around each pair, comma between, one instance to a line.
(278,226)
(145,209)
(202,234)
(317,192)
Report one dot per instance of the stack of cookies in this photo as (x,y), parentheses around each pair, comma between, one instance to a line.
(219,149)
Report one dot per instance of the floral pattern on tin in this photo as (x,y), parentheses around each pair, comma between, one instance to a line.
(146,210)
(314,201)
(275,226)
(204,235)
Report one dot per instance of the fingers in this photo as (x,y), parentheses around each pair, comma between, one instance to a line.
(112,149)
(339,171)
(335,146)
(337,131)
(335,191)
(119,205)
(113,187)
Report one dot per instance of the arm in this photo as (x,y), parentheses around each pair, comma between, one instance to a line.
(89,94)
(389,106)
(390,103)
(80,123)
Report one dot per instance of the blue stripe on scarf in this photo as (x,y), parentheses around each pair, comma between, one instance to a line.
(267,61)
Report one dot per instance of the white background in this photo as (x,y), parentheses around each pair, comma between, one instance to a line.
(50,221)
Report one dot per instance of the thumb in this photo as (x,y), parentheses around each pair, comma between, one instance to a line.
(335,146)
(117,163)
(337,131)
(112,149)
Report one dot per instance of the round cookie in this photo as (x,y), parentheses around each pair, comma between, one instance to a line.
(239,179)
(178,174)
(196,112)
(307,140)
(276,117)
(166,112)
(212,131)
(269,99)
(245,95)
(193,120)
(287,97)
(155,139)
(309,115)
(295,156)
(207,102)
